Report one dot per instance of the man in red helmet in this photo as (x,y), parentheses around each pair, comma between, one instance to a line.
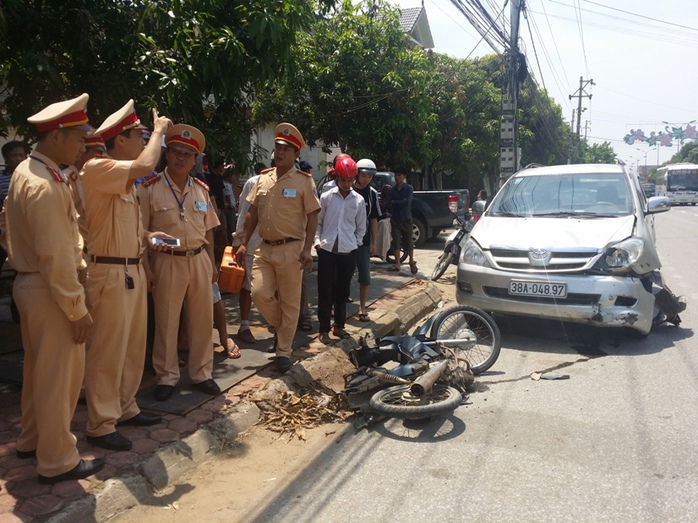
(341,228)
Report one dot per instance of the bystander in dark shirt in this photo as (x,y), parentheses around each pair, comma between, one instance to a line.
(400,203)
(373,209)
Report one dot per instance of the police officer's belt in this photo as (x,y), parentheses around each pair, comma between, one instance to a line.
(280,242)
(113,260)
(188,254)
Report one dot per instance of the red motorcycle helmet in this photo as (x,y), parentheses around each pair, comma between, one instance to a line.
(345,166)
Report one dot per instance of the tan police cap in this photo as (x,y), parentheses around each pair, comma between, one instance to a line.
(286,133)
(94,141)
(61,115)
(120,121)
(186,135)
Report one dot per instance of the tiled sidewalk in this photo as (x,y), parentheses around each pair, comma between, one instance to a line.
(23,499)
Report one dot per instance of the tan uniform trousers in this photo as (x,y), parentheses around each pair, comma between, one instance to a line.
(276,290)
(116,348)
(179,278)
(53,369)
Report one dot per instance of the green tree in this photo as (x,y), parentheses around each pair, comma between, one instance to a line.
(466,107)
(595,153)
(198,61)
(358,84)
(688,153)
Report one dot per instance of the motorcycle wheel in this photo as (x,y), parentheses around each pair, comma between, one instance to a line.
(441,265)
(398,402)
(391,259)
(474,333)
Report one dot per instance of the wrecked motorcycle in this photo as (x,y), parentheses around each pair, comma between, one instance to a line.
(452,247)
(430,369)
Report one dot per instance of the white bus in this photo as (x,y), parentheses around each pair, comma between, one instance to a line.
(680,183)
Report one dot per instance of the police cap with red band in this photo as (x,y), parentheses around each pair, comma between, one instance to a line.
(186,135)
(69,114)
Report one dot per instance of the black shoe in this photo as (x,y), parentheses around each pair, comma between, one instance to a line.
(246,336)
(113,441)
(141,420)
(209,387)
(272,348)
(283,364)
(163,392)
(25,454)
(85,468)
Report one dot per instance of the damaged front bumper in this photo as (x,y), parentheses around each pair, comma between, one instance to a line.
(599,300)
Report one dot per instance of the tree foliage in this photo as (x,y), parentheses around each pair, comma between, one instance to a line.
(687,153)
(198,61)
(344,72)
(357,85)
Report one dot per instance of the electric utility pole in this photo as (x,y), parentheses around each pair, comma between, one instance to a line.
(579,94)
(508,145)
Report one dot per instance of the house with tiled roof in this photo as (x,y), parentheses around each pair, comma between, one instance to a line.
(414,23)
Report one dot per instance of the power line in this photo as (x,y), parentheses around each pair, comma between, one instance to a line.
(642,16)
(578,15)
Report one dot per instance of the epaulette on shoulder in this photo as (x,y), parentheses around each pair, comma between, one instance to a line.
(266,170)
(202,184)
(151,179)
(303,172)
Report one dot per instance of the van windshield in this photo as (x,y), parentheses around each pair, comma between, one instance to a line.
(578,195)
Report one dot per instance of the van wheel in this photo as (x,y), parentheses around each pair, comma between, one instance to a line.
(419,232)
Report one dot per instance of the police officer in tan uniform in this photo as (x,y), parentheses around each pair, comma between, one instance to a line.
(178,204)
(44,246)
(285,204)
(94,146)
(116,280)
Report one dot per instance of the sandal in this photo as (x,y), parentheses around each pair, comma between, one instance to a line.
(363,316)
(413,267)
(325,338)
(232,349)
(305,325)
(340,333)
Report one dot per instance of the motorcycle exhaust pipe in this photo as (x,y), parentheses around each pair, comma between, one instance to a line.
(426,381)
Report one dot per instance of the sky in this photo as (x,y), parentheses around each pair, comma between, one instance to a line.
(642,56)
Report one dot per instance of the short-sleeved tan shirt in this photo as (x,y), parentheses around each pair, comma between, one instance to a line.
(160,207)
(283,204)
(112,214)
(41,231)
(71,176)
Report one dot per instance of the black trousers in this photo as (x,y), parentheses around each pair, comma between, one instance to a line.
(334,275)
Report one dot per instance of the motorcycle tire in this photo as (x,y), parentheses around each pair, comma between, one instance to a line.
(441,265)
(398,402)
(389,258)
(480,339)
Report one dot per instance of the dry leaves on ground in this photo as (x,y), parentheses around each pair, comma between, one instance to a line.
(293,413)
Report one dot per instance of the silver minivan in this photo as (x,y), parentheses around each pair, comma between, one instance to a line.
(568,242)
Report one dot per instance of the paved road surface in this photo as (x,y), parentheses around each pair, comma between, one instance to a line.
(616,441)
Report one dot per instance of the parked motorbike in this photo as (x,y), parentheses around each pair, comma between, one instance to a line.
(431,368)
(452,248)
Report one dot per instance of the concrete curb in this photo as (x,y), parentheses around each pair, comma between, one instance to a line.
(170,462)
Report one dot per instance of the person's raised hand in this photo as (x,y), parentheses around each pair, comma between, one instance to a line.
(160,123)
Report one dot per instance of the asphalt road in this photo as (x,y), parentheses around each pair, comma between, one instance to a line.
(616,441)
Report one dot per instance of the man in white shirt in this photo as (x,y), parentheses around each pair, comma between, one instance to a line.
(244,333)
(341,228)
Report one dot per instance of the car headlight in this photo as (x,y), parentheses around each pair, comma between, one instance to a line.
(473,255)
(624,254)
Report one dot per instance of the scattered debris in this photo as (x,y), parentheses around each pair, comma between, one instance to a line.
(293,413)
(536,376)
